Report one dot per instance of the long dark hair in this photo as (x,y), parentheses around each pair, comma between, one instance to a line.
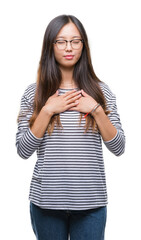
(49,74)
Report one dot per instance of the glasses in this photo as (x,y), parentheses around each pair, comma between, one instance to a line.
(62,44)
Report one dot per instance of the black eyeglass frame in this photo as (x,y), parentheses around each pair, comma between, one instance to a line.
(68,41)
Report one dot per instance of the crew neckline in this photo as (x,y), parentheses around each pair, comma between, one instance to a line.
(68,88)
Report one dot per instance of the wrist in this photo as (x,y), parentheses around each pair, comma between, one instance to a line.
(95,107)
(46,111)
(97,111)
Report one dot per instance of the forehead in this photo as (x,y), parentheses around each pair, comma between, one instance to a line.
(69,30)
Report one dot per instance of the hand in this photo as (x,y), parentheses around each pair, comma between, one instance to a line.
(86,103)
(56,104)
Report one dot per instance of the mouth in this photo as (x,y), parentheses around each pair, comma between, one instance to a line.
(69,57)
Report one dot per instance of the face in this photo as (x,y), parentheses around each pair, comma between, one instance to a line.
(68,57)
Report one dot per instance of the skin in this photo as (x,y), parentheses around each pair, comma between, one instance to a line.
(68,32)
(72,100)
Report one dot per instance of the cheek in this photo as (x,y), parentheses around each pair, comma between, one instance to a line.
(56,54)
(57,57)
(78,55)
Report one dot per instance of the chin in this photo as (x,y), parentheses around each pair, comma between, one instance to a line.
(67,65)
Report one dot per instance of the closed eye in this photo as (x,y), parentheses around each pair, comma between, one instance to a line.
(61,42)
(76,41)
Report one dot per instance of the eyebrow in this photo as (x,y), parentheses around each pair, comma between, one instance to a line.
(72,37)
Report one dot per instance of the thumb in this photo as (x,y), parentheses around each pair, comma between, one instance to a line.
(84,93)
(55,94)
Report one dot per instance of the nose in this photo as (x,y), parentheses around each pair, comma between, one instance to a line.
(68,46)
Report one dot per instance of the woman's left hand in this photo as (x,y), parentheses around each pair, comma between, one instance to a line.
(86,103)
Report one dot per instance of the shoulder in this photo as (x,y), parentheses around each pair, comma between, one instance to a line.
(29,92)
(108,94)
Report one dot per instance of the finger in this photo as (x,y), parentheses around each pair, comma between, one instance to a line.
(55,94)
(73,105)
(68,93)
(73,99)
(84,93)
(72,95)
(73,109)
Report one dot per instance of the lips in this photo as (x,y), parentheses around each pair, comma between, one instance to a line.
(69,57)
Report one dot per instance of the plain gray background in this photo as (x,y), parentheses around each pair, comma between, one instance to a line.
(113,29)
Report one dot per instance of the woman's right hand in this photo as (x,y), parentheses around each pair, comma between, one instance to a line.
(57,104)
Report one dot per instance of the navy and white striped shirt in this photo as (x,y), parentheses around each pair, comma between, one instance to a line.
(69,172)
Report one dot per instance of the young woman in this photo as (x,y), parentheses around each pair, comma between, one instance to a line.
(64,117)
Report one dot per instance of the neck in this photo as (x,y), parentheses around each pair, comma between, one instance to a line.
(67,79)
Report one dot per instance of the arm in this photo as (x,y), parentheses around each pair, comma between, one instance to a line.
(54,105)
(117,144)
(109,126)
(28,140)
(106,128)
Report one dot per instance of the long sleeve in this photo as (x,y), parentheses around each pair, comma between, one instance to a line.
(26,142)
(117,144)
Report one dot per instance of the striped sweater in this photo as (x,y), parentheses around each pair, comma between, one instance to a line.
(69,172)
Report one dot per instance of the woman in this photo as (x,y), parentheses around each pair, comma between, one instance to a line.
(64,117)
